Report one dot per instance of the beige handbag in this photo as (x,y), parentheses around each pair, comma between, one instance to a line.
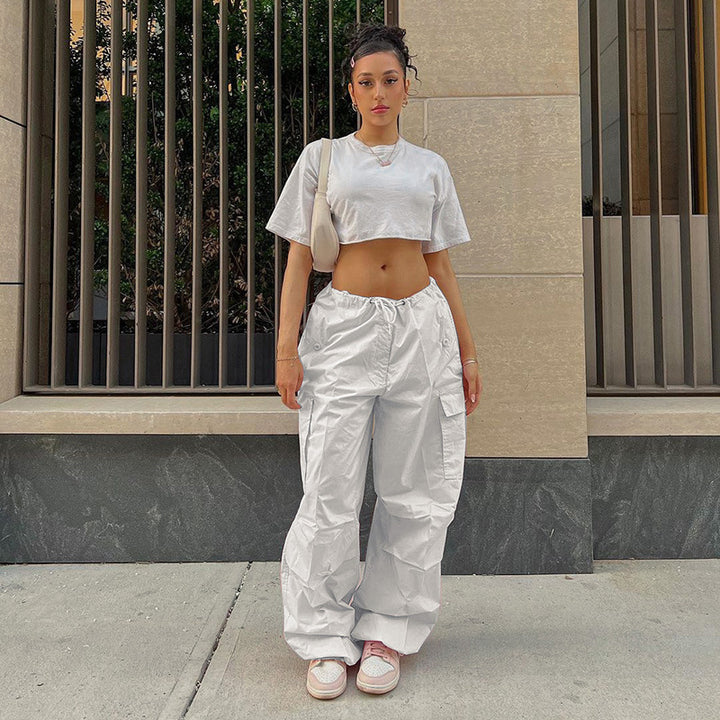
(324,241)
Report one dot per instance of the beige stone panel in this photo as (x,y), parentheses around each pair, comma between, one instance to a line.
(10,340)
(529,336)
(12,156)
(412,122)
(13,62)
(510,48)
(516,167)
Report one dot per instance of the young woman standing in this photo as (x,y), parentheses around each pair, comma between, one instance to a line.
(386,353)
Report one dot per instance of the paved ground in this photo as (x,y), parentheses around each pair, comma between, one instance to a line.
(636,639)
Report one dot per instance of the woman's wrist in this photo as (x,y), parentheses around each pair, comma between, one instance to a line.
(284,349)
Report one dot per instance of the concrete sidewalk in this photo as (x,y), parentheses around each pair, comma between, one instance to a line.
(635,639)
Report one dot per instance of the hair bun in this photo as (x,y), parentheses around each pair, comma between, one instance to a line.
(366,38)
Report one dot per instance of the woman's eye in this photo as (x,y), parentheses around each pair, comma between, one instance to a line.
(367,82)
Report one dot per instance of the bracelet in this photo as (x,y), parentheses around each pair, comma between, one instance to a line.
(471,360)
(294,357)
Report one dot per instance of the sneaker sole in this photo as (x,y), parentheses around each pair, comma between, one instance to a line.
(326,694)
(378,689)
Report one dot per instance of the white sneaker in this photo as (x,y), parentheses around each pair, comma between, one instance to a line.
(326,678)
(379,670)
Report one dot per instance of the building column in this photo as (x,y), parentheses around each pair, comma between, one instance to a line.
(499,100)
(13,94)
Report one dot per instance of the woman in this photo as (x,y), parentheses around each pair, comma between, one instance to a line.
(386,353)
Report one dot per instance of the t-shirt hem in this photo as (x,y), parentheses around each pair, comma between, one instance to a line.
(378,237)
(286,235)
(306,241)
(448,245)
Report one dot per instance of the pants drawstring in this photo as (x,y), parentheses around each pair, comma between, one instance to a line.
(387,304)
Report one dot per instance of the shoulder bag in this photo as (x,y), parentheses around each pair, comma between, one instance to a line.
(324,241)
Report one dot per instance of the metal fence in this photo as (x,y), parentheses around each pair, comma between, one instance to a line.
(94,238)
(652,271)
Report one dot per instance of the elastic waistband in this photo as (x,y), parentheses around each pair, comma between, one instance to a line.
(349,299)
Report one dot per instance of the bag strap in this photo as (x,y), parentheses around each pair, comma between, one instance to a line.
(324,165)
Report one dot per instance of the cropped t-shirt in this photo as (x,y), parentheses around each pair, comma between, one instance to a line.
(413,197)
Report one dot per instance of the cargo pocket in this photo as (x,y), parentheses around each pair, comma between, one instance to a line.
(452,430)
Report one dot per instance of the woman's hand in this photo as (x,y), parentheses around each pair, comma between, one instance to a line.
(289,377)
(472,385)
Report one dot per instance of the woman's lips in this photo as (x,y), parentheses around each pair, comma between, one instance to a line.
(380,110)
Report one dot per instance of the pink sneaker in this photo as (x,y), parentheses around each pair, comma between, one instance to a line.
(379,669)
(326,678)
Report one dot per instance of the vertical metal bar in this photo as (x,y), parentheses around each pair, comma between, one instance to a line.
(626,192)
(169,259)
(696,32)
(653,102)
(596,115)
(331,72)
(87,230)
(60,231)
(684,135)
(114,240)
(306,112)
(141,156)
(277,120)
(250,214)
(306,72)
(391,12)
(32,198)
(358,117)
(224,201)
(196,328)
(713,168)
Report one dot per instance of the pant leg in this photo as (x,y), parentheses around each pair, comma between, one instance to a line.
(418,459)
(320,564)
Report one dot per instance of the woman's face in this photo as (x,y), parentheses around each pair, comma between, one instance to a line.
(377,79)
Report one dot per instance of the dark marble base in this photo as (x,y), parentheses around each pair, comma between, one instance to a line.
(655,497)
(179,498)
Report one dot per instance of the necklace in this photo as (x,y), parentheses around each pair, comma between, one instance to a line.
(384,162)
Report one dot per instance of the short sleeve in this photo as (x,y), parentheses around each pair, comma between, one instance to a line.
(293,211)
(448,222)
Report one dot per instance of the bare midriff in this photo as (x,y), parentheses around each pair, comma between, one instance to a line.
(388,267)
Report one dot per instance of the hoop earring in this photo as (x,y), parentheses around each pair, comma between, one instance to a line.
(354,107)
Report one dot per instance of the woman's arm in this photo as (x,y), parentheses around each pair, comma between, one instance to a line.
(288,373)
(440,267)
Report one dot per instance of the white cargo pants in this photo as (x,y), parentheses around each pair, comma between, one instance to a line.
(396,362)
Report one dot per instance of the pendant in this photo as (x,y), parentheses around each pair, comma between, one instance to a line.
(385,163)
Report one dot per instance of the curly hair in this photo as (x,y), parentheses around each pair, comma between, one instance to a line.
(370,37)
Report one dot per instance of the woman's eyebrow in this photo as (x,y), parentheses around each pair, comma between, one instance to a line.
(385,73)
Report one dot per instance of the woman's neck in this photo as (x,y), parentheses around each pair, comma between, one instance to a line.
(387,136)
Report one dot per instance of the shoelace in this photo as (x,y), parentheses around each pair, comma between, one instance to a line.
(387,304)
(377,647)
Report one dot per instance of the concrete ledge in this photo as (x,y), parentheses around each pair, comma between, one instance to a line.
(264,415)
(171,415)
(629,416)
